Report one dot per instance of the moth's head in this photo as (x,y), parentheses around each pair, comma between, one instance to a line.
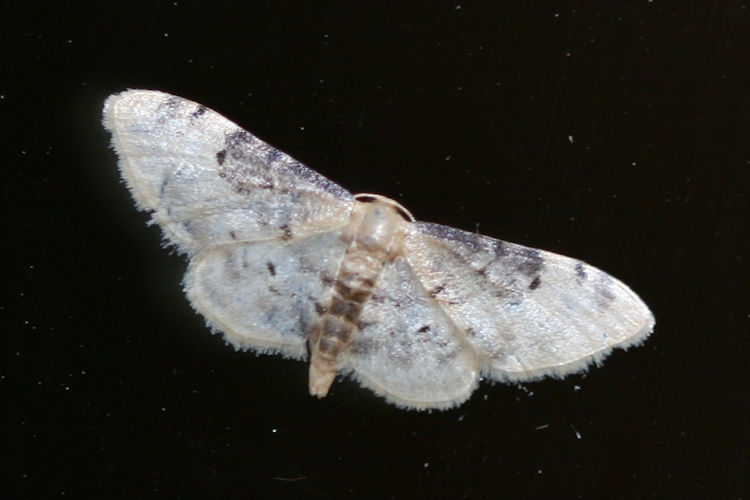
(387,202)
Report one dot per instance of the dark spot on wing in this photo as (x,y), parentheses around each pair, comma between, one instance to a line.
(271,268)
(500,248)
(274,290)
(199,111)
(423,329)
(482,271)
(320,309)
(233,235)
(168,109)
(163,186)
(272,154)
(501,251)
(240,145)
(246,172)
(188,227)
(287,232)
(377,298)
(327,279)
(515,302)
(361,325)
(535,283)
(530,261)
(437,290)
(239,138)
(221,156)
(173,103)
(580,271)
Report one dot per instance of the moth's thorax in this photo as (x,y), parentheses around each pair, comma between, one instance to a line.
(375,236)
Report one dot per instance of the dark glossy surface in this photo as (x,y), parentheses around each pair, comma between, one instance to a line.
(617,135)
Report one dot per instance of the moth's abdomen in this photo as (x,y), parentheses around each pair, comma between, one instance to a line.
(375,235)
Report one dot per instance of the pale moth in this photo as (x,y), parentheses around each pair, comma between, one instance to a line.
(282,260)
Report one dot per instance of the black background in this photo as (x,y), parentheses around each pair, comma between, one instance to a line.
(613,132)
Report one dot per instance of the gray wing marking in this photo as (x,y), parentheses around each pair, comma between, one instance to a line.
(208,182)
(266,295)
(526,312)
(407,349)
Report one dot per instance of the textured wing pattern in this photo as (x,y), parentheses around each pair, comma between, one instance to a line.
(408,350)
(525,312)
(266,295)
(208,182)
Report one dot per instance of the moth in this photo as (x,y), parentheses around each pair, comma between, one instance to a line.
(282,260)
